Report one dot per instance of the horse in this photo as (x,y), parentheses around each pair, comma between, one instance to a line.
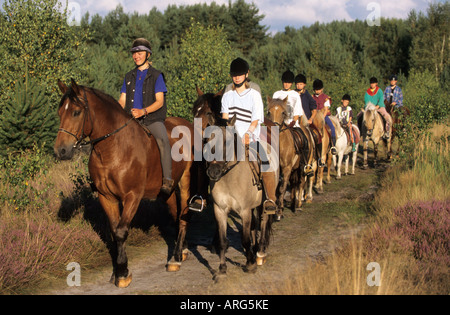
(233,187)
(124,165)
(322,139)
(344,147)
(302,164)
(373,129)
(398,114)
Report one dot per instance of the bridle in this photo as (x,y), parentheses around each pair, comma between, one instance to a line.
(80,142)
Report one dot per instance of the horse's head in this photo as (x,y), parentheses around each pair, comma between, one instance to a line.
(207,107)
(73,113)
(277,110)
(222,143)
(369,118)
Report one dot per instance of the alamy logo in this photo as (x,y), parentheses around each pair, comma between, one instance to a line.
(73,14)
(374,17)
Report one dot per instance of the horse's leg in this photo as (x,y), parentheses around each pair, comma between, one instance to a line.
(246,216)
(180,251)
(365,148)
(286,175)
(346,164)
(111,208)
(319,180)
(263,243)
(340,158)
(221,219)
(375,153)
(354,157)
(329,168)
(130,206)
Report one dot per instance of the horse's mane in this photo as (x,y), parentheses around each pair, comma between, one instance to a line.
(73,97)
(214,103)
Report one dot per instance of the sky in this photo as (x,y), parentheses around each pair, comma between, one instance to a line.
(278,13)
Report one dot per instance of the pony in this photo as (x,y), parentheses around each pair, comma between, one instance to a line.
(344,147)
(323,141)
(399,115)
(302,164)
(233,188)
(124,165)
(373,130)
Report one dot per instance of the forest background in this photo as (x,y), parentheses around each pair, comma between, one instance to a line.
(193,45)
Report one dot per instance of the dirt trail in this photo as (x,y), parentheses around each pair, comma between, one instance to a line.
(310,234)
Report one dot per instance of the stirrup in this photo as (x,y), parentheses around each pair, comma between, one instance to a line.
(333,150)
(270,210)
(320,163)
(195,206)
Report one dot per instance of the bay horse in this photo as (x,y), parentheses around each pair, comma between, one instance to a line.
(373,130)
(399,115)
(124,165)
(344,147)
(299,165)
(323,141)
(233,189)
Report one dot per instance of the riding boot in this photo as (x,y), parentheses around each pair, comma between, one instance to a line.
(270,186)
(333,149)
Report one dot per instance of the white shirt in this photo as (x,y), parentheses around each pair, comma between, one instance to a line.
(248,107)
(294,103)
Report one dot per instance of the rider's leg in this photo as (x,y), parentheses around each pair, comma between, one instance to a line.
(158,130)
(333,135)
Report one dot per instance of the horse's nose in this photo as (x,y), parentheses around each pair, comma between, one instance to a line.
(214,172)
(62,153)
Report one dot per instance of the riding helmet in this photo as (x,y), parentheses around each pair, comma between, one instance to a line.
(141,44)
(239,67)
(300,78)
(287,77)
(317,85)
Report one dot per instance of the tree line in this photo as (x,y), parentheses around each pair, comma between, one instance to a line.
(194,44)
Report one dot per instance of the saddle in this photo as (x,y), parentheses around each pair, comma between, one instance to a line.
(355,131)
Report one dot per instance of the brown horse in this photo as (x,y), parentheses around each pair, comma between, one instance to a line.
(399,115)
(299,165)
(124,164)
(323,155)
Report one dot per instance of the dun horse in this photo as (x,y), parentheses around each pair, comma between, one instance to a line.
(299,165)
(372,129)
(233,188)
(124,165)
(344,148)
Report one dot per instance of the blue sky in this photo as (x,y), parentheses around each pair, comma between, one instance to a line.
(278,13)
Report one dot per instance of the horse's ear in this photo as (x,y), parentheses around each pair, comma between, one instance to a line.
(285,100)
(232,121)
(62,86)
(75,86)
(269,99)
(199,92)
(220,93)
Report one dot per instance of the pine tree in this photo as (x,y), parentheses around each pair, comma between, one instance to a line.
(27,118)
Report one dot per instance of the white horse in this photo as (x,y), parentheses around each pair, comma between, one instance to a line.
(343,147)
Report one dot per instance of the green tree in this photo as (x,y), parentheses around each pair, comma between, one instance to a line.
(202,60)
(27,118)
(36,32)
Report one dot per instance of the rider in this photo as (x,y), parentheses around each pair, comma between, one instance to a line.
(143,95)
(393,93)
(294,108)
(246,103)
(375,96)
(323,103)
(308,103)
(345,115)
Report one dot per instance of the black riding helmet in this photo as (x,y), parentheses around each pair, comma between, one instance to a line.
(287,77)
(239,67)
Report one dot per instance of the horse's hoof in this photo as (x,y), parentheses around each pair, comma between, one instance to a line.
(308,200)
(184,255)
(338,178)
(298,209)
(250,268)
(219,277)
(261,259)
(173,266)
(123,282)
